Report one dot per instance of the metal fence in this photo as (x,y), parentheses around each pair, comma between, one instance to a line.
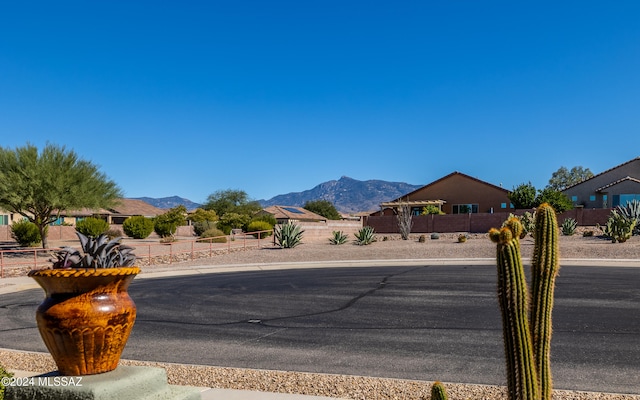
(17,262)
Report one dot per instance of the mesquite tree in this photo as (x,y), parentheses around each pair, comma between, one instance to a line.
(41,185)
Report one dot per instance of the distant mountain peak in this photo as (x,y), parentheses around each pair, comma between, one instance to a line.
(169,202)
(348,195)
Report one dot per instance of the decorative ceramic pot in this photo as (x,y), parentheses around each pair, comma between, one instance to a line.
(86,318)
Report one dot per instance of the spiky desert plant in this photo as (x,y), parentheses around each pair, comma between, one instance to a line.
(544,270)
(366,235)
(98,252)
(339,237)
(631,211)
(522,379)
(569,226)
(438,392)
(527,337)
(288,235)
(618,227)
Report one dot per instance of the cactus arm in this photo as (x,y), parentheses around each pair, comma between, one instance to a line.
(522,378)
(544,270)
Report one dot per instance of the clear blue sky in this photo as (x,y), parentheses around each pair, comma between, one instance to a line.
(270,97)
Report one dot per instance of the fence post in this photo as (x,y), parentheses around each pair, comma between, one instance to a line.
(1,264)
(192,244)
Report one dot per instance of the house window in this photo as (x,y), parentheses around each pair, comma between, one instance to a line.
(604,201)
(592,197)
(503,205)
(4,220)
(623,199)
(465,209)
(57,222)
(574,199)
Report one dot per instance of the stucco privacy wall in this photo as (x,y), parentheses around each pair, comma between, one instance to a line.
(476,223)
(322,231)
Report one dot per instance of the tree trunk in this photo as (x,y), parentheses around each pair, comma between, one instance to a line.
(43,235)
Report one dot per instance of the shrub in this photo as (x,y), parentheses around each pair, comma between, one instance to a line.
(92,226)
(569,226)
(288,235)
(339,237)
(435,236)
(365,236)
(165,225)
(422,239)
(3,374)
(266,218)
(217,235)
(138,227)
(462,238)
(431,209)
(257,226)
(114,233)
(200,227)
(25,233)
(587,233)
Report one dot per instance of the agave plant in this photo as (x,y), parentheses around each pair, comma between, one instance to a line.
(339,237)
(365,236)
(98,252)
(288,235)
(569,226)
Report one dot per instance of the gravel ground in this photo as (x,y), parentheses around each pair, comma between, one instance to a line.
(447,247)
(355,387)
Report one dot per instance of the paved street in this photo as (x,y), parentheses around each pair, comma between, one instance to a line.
(424,322)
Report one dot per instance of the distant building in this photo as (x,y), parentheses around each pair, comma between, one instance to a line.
(284,214)
(611,188)
(455,193)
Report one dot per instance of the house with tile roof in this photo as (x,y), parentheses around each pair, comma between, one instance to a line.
(613,187)
(456,193)
(121,210)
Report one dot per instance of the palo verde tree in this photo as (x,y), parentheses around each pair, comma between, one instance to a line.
(39,185)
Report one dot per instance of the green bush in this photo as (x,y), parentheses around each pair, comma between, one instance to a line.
(114,233)
(92,226)
(217,235)
(201,227)
(339,237)
(266,218)
(257,226)
(3,374)
(431,209)
(435,236)
(365,236)
(25,233)
(138,227)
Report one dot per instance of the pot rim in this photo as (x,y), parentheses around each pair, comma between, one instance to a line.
(84,272)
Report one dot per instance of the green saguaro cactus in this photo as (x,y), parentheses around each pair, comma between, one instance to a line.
(527,331)
(544,270)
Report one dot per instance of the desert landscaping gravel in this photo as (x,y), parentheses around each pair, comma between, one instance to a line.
(477,246)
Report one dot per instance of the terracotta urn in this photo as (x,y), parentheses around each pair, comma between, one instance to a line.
(86,318)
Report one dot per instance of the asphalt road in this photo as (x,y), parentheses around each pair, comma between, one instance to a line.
(426,322)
